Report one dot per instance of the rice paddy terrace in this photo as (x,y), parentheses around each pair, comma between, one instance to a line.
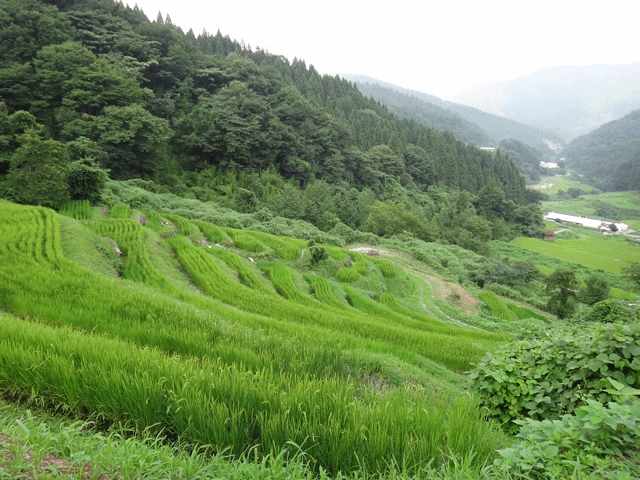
(234,340)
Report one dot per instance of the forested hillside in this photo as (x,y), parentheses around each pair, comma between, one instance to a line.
(609,157)
(423,110)
(99,85)
(525,158)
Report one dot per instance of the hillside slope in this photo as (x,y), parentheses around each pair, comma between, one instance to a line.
(609,157)
(220,343)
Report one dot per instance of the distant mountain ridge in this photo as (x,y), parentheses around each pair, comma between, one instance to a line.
(473,122)
(573,100)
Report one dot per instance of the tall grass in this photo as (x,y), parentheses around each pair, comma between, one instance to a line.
(211,232)
(323,292)
(78,209)
(120,210)
(206,402)
(287,248)
(245,241)
(497,306)
(184,226)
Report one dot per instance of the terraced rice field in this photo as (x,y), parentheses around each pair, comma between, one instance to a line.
(232,365)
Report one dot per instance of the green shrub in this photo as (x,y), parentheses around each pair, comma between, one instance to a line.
(593,442)
(610,311)
(545,378)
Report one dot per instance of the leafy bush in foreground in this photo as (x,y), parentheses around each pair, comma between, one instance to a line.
(543,379)
(598,441)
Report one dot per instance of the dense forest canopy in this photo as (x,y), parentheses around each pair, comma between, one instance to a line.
(208,117)
(609,157)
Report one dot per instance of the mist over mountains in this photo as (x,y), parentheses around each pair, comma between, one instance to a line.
(467,123)
(571,100)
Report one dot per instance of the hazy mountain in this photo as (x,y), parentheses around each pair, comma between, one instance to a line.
(571,100)
(426,112)
(434,111)
(609,156)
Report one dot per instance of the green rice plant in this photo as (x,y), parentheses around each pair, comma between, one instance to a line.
(245,241)
(287,248)
(31,435)
(522,312)
(211,232)
(281,277)
(78,209)
(360,262)
(129,236)
(31,232)
(323,292)
(154,220)
(497,306)
(622,294)
(204,402)
(604,253)
(434,324)
(120,211)
(387,267)
(347,274)
(236,263)
(334,252)
(184,225)
(126,232)
(374,327)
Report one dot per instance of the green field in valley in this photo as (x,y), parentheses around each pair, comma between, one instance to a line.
(600,252)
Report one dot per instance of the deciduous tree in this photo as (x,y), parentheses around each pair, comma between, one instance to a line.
(562,287)
(38,173)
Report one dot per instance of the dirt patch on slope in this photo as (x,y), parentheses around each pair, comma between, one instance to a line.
(453,294)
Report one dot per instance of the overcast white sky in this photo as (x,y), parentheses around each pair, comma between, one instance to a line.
(437,47)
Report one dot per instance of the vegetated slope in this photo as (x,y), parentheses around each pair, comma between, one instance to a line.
(422,110)
(150,111)
(573,100)
(236,367)
(609,157)
(524,157)
(486,125)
